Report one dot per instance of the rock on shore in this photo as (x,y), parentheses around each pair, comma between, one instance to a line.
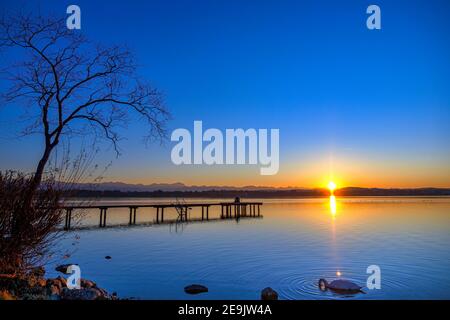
(33,286)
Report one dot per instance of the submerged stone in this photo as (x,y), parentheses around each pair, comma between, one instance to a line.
(269,294)
(195,289)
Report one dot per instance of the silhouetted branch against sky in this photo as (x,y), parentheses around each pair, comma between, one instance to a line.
(73,82)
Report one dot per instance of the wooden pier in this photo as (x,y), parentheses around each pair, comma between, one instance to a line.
(229,210)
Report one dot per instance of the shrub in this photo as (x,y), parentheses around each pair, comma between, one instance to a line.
(28,221)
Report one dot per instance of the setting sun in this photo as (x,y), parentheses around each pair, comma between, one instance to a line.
(331,186)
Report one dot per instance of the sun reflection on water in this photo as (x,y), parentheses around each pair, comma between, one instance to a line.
(333,206)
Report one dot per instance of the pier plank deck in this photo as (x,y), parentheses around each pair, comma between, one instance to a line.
(229,210)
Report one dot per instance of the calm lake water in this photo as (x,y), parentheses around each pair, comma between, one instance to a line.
(296,242)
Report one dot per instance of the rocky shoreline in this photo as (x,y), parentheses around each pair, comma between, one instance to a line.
(34,286)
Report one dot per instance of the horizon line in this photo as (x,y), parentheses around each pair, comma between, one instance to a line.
(251,186)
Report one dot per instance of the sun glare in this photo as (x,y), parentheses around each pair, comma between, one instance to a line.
(331,186)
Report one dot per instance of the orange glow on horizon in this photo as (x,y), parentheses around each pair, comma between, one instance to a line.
(310,175)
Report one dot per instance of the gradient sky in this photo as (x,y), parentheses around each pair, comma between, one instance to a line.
(368,108)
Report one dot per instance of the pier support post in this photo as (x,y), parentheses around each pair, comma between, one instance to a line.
(131,216)
(157,215)
(68,218)
(102,222)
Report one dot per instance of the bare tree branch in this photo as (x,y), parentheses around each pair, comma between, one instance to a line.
(66,79)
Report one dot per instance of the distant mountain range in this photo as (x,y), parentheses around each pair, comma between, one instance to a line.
(120,189)
(125,187)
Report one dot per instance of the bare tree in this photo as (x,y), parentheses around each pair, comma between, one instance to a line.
(72,85)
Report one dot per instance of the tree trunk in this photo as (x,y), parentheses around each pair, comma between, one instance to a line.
(28,202)
(40,170)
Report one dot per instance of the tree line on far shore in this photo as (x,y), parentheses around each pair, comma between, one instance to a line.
(271,193)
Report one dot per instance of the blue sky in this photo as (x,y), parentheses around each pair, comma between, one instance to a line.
(365,107)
